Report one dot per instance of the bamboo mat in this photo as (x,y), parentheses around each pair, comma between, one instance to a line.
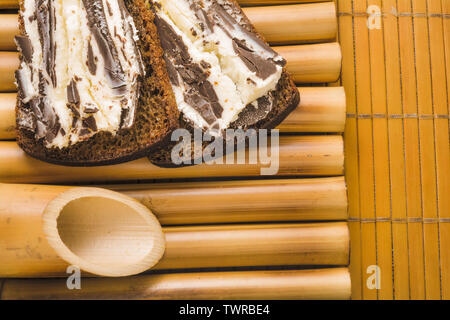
(397,80)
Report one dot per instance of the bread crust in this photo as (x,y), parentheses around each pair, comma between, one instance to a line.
(146,135)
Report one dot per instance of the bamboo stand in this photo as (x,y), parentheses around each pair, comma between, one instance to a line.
(252,285)
(26,219)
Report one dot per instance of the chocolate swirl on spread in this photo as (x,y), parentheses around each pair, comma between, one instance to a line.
(99,28)
(199,92)
(80,71)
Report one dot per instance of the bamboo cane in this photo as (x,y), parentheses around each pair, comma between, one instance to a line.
(9,62)
(298,23)
(316,199)
(93,228)
(321,109)
(8,30)
(323,62)
(298,156)
(241,285)
(7,116)
(292,23)
(317,63)
(40,224)
(9,4)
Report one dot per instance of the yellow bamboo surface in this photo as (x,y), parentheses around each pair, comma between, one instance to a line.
(396,76)
(9,62)
(298,156)
(321,109)
(317,199)
(253,285)
(8,29)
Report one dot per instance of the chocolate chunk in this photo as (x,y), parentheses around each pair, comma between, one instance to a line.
(84,132)
(173,74)
(25,47)
(262,67)
(73,96)
(45,16)
(90,109)
(22,85)
(90,123)
(99,28)
(91,63)
(200,93)
(200,104)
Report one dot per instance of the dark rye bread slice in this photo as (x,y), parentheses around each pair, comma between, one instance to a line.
(286,97)
(155,119)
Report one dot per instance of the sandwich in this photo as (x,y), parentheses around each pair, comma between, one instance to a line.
(106,81)
(93,87)
(224,75)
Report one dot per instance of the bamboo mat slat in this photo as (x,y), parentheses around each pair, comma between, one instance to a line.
(381,158)
(351,143)
(401,88)
(422,38)
(443,155)
(365,141)
(396,156)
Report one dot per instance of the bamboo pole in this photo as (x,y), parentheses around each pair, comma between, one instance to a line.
(96,229)
(321,109)
(298,23)
(316,199)
(9,62)
(298,156)
(241,285)
(8,30)
(7,116)
(288,24)
(9,4)
(316,63)
(256,245)
(89,227)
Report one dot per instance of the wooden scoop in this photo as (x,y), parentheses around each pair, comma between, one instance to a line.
(103,232)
